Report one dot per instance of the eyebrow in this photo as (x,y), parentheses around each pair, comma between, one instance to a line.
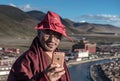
(51,32)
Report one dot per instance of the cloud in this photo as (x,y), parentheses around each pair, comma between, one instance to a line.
(11,4)
(100,19)
(103,17)
(82,21)
(27,7)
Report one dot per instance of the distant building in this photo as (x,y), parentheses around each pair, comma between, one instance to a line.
(12,50)
(82,53)
(84,44)
(7,61)
(5,65)
(91,48)
(83,49)
(1,48)
(4,70)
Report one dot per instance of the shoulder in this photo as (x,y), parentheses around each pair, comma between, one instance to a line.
(26,57)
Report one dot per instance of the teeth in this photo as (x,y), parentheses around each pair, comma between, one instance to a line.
(51,45)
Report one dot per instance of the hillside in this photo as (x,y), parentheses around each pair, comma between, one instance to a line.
(96,28)
(93,28)
(17,23)
(36,14)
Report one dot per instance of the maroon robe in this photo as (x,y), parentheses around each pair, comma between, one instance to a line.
(30,66)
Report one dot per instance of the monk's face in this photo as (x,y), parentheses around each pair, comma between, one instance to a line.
(50,40)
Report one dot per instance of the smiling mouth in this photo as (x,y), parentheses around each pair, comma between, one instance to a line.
(51,45)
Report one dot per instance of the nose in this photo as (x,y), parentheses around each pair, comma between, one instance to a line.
(52,38)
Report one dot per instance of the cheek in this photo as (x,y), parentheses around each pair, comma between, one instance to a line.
(42,40)
(58,42)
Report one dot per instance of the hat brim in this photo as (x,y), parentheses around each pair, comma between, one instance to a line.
(63,33)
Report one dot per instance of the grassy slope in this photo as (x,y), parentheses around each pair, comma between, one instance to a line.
(15,23)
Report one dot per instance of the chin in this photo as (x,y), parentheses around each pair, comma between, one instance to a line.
(50,49)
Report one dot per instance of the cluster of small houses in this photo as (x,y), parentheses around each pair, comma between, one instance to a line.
(84,50)
(7,58)
(9,50)
(107,71)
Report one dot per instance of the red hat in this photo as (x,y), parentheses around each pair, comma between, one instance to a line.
(53,22)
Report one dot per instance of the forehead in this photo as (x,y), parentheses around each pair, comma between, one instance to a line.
(51,32)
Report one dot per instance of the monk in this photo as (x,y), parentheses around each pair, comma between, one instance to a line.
(36,63)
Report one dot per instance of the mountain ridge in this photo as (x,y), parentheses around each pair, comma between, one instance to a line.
(16,23)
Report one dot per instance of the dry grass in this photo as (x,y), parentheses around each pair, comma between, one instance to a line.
(24,43)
